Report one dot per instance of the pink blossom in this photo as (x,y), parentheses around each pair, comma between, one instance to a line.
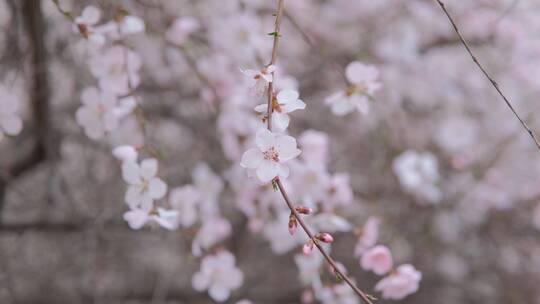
(185,199)
(285,102)
(219,275)
(117,69)
(315,147)
(378,259)
(368,236)
(259,79)
(98,114)
(268,159)
(399,284)
(144,186)
(363,84)
(137,218)
(181,28)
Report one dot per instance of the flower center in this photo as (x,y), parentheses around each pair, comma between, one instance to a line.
(358,88)
(144,186)
(271,154)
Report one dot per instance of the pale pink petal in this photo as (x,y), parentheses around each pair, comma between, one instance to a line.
(264,139)
(157,188)
(287,96)
(149,168)
(280,121)
(262,108)
(167,219)
(293,106)
(287,147)
(378,259)
(12,125)
(90,95)
(200,281)
(131,172)
(267,170)
(219,293)
(135,218)
(251,158)
(90,15)
(125,153)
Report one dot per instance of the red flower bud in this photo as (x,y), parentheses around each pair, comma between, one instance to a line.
(308,247)
(293,224)
(304,210)
(325,237)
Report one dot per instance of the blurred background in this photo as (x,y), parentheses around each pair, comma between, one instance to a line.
(468,220)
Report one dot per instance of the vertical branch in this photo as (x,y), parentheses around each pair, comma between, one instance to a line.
(311,235)
(486,74)
(273,60)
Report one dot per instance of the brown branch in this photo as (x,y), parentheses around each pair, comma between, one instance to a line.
(487,75)
(289,203)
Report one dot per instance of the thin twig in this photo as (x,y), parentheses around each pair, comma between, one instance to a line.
(493,82)
(289,203)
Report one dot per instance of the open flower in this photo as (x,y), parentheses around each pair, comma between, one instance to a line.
(285,102)
(378,259)
(10,121)
(185,199)
(219,275)
(144,186)
(399,284)
(97,115)
(138,217)
(363,84)
(84,24)
(260,78)
(268,159)
(117,69)
(368,236)
(418,173)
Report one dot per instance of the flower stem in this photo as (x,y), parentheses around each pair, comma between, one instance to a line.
(328,258)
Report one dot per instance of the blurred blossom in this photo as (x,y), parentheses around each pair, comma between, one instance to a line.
(418,173)
(219,275)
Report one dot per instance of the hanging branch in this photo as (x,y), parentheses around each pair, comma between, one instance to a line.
(365,297)
(487,75)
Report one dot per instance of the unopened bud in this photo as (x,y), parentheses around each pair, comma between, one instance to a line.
(308,247)
(325,237)
(304,210)
(293,224)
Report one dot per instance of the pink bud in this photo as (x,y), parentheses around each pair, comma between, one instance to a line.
(325,237)
(308,247)
(293,224)
(304,210)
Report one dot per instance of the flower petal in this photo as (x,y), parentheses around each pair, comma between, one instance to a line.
(219,292)
(149,168)
(264,139)
(267,170)
(131,172)
(287,147)
(157,188)
(287,96)
(251,158)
